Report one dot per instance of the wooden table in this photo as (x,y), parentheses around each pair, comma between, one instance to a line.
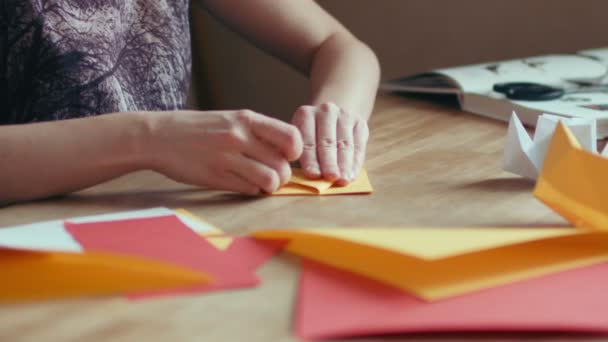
(430,164)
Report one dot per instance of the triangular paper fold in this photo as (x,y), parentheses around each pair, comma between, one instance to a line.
(517,148)
(28,275)
(572,182)
(525,156)
(440,263)
(300,185)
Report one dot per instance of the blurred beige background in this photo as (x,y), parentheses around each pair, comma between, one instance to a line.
(408,36)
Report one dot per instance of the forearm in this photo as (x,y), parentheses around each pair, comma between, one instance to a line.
(44,159)
(346,72)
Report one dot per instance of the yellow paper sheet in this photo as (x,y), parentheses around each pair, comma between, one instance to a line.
(28,275)
(300,185)
(573,182)
(440,263)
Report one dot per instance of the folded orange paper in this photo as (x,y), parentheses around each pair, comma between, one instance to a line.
(439,263)
(31,275)
(300,185)
(572,182)
(43,260)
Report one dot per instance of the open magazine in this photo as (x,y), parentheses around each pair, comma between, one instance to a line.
(473,85)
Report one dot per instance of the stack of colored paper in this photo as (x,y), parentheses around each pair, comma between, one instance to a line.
(378,280)
(140,253)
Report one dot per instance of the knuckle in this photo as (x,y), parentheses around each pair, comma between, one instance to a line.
(327,143)
(328,107)
(344,144)
(304,112)
(311,146)
(233,137)
(244,115)
(302,116)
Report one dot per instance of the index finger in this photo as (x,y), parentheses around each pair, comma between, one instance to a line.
(304,119)
(282,135)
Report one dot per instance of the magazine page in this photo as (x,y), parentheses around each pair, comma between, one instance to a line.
(565,71)
(585,105)
(600,54)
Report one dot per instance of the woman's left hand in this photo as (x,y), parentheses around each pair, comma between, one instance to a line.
(334,140)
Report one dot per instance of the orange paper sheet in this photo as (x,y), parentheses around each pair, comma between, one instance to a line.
(439,263)
(300,185)
(28,275)
(146,255)
(573,182)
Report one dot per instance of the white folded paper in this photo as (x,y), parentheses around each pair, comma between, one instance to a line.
(524,155)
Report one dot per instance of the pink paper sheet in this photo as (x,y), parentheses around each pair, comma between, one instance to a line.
(333,303)
(167,238)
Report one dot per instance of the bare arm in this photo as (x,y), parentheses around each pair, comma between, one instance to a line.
(44,159)
(238,151)
(343,71)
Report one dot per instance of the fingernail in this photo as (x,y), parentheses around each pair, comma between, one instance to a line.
(332,175)
(313,170)
(341,182)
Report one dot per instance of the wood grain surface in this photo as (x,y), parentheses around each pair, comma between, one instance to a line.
(430,165)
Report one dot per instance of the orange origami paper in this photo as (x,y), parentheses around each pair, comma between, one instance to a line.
(439,263)
(572,182)
(31,275)
(43,261)
(300,185)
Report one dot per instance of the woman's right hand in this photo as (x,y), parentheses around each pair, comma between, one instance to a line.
(240,151)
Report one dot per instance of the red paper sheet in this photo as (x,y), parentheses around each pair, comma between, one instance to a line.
(166,238)
(253,252)
(333,303)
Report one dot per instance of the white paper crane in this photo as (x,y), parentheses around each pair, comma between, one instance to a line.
(524,156)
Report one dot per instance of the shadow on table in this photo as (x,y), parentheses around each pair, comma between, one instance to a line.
(447,101)
(513,184)
(155,198)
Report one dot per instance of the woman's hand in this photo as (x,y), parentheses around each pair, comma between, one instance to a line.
(239,151)
(341,69)
(334,142)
